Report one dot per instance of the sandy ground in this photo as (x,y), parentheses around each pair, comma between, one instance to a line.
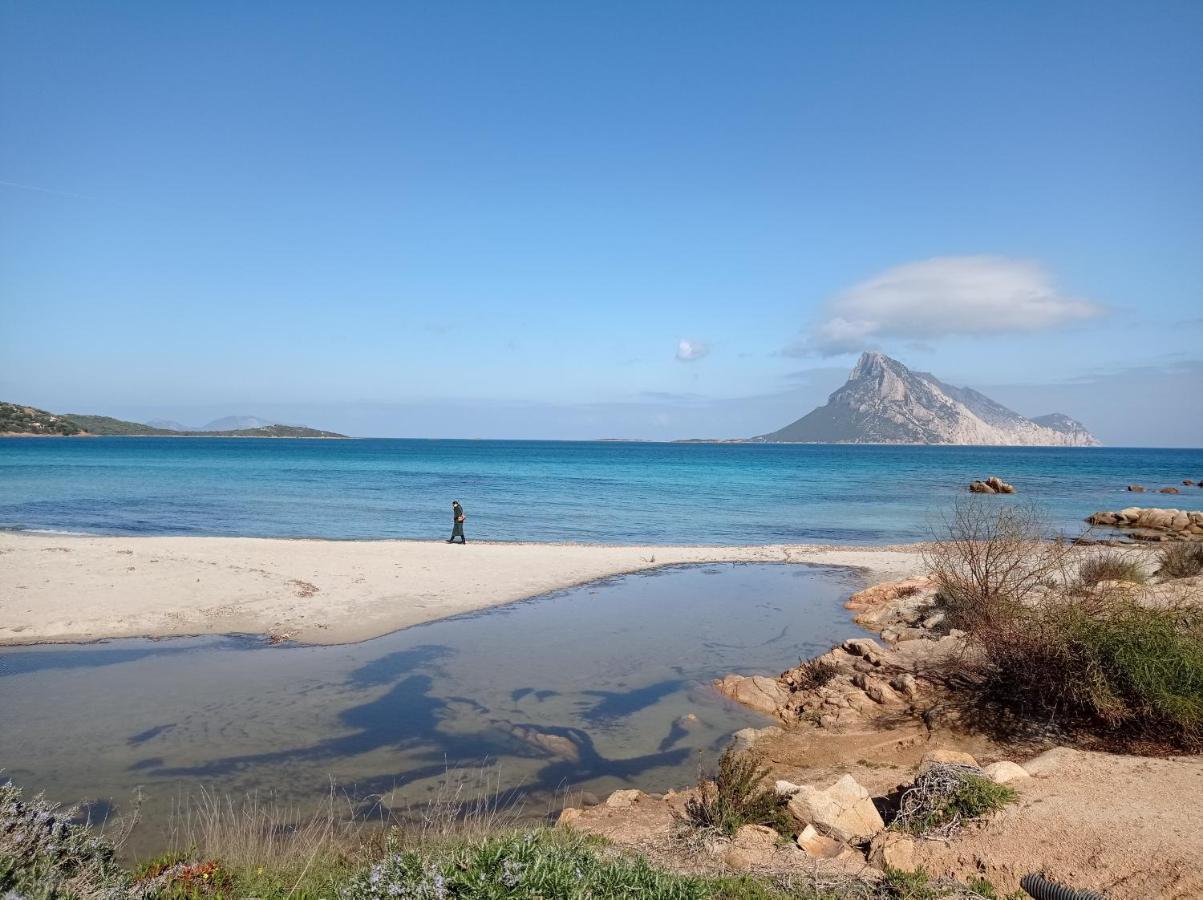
(1126,825)
(74,588)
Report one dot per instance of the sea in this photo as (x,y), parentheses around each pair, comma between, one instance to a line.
(601,492)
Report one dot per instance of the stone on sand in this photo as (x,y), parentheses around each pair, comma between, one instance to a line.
(820,846)
(1048,762)
(1004,772)
(844,811)
(623,799)
(891,850)
(944,756)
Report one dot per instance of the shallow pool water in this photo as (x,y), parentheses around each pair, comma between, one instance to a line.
(596,688)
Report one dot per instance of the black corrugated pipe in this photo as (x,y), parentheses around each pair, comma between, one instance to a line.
(1042,889)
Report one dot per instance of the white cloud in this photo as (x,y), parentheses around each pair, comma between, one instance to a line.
(935,298)
(689,350)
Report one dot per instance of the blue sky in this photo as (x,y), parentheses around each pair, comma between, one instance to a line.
(585,220)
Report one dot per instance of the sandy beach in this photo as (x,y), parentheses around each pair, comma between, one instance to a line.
(60,588)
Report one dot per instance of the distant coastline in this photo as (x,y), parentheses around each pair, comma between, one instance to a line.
(187,434)
(29,421)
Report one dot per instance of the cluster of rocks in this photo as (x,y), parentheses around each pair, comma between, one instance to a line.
(1140,488)
(1150,524)
(860,679)
(992,485)
(841,821)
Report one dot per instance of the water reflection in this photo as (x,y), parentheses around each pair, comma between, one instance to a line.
(595,688)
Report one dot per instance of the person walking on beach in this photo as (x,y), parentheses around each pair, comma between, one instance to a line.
(457,523)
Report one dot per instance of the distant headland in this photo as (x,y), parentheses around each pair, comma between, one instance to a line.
(16,419)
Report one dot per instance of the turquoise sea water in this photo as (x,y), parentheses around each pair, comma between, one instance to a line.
(544,490)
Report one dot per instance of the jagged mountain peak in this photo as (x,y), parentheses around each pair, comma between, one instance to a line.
(884,402)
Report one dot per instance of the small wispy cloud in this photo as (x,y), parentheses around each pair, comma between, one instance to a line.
(942,297)
(689,350)
(42,190)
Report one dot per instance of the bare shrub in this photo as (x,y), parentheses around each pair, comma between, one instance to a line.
(813,674)
(990,561)
(1180,561)
(1110,567)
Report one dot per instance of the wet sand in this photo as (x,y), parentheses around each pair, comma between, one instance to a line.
(67,588)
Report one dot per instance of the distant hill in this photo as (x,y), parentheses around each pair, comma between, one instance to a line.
(17,419)
(109,426)
(168,425)
(884,402)
(236,423)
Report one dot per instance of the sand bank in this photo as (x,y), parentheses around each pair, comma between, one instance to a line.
(75,588)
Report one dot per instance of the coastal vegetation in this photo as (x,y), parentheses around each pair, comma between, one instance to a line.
(1180,561)
(46,854)
(1085,653)
(944,797)
(735,797)
(1110,567)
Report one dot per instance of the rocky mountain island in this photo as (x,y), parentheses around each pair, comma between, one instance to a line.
(884,402)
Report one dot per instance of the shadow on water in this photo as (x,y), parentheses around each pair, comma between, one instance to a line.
(114,653)
(593,688)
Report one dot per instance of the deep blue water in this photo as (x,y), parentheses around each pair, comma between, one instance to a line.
(542,490)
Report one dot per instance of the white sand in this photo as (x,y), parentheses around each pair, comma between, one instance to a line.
(70,588)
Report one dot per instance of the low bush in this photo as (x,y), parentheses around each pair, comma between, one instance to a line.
(531,865)
(1180,561)
(1110,567)
(734,797)
(1097,659)
(813,674)
(1131,672)
(944,797)
(44,855)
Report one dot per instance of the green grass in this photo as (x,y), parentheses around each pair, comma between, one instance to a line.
(1139,667)
(734,797)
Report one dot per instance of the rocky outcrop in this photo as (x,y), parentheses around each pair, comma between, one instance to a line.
(992,485)
(850,685)
(884,402)
(1153,524)
(760,692)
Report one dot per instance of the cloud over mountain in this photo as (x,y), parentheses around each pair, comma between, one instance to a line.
(941,297)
